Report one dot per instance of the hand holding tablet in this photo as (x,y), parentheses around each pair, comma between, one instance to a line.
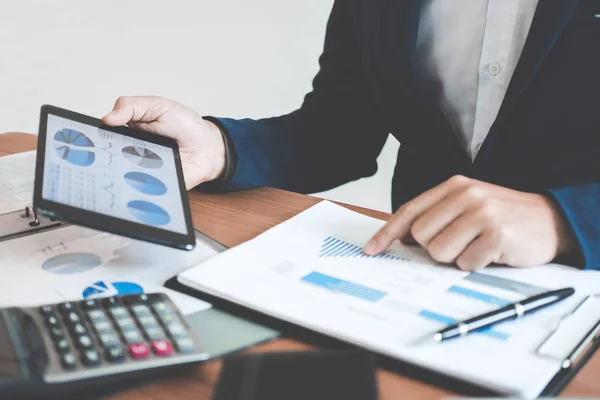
(114,179)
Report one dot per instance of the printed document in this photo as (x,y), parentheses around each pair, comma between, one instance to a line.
(311,271)
(17,173)
(75,263)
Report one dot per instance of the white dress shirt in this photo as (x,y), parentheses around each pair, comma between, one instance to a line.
(467,52)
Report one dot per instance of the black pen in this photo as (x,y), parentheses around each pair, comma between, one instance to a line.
(511,311)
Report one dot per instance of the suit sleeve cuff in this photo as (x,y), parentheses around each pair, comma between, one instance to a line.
(230,154)
(579,205)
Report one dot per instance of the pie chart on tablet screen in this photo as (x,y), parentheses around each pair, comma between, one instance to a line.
(148,213)
(142,157)
(145,183)
(74,147)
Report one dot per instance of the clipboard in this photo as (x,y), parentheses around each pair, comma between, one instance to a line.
(587,343)
(25,222)
(583,344)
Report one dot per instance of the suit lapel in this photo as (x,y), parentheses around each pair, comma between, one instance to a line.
(393,29)
(549,21)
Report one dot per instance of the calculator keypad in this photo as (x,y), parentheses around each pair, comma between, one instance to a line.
(68,360)
(112,330)
(139,350)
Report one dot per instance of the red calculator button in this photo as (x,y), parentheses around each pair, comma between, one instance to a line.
(162,348)
(139,350)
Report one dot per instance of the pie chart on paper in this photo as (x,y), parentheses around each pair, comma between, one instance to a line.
(142,157)
(148,213)
(104,288)
(71,263)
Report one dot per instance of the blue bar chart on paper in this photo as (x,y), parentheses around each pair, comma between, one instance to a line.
(345,287)
(473,294)
(337,247)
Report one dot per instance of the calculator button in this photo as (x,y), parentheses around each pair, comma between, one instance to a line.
(114,353)
(89,305)
(68,361)
(47,310)
(136,299)
(139,350)
(65,308)
(108,339)
(90,358)
(185,345)
(52,321)
(132,336)
(176,330)
(169,318)
(155,333)
(78,329)
(162,308)
(84,341)
(57,333)
(108,302)
(162,348)
(148,321)
(141,310)
(125,323)
(73,317)
(62,345)
(103,326)
(96,315)
(118,312)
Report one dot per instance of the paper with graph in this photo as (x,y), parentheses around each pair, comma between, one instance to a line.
(75,263)
(311,271)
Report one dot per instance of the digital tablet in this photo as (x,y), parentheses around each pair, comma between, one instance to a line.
(113,179)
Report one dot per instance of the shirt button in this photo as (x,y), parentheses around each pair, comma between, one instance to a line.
(494,69)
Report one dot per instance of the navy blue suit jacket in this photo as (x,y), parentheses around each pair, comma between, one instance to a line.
(546,138)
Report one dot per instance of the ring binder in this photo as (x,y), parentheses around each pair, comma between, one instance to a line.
(585,315)
(25,222)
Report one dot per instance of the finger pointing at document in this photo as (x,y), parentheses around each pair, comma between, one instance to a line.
(474,224)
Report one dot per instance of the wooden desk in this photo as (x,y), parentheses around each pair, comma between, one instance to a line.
(236,217)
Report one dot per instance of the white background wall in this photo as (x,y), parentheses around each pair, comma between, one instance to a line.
(237,58)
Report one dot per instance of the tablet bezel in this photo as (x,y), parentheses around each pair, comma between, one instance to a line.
(104,222)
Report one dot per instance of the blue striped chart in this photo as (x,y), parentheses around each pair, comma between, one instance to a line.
(473,294)
(337,247)
(345,287)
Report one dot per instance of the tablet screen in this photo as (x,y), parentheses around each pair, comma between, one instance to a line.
(108,173)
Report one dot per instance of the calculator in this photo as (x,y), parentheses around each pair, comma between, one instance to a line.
(92,340)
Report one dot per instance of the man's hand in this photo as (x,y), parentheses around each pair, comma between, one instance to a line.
(201,144)
(474,224)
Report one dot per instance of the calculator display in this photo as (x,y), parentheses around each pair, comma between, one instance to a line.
(9,365)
